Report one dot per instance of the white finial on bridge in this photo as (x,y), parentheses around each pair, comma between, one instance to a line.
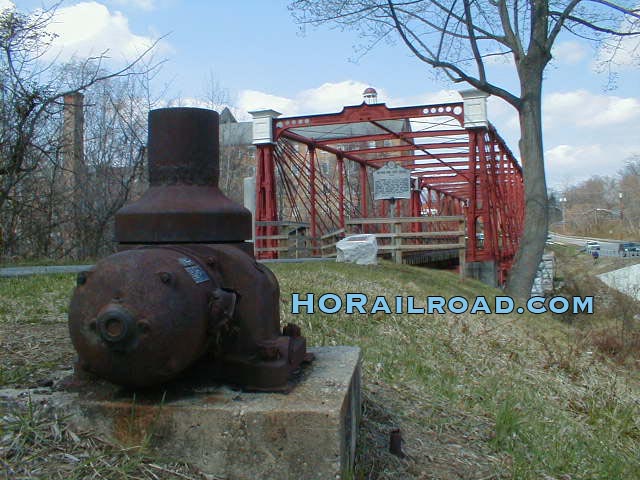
(263,125)
(475,108)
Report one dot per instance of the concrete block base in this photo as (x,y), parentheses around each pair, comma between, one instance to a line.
(309,433)
(486,272)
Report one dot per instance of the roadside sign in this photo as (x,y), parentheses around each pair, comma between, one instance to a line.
(391,181)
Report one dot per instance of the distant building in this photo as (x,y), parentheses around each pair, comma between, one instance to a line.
(237,154)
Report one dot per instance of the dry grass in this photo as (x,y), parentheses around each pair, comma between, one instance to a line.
(35,443)
(478,396)
(615,329)
(475,396)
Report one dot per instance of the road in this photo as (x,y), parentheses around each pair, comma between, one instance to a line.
(608,247)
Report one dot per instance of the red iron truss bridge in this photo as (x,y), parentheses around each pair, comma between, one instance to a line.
(314,183)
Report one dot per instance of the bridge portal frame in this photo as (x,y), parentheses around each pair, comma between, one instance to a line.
(458,169)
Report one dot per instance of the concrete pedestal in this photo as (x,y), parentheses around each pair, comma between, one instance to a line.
(486,272)
(309,433)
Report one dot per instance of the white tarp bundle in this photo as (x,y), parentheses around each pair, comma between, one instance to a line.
(358,249)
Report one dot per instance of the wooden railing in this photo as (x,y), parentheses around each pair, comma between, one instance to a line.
(393,236)
(289,241)
(397,241)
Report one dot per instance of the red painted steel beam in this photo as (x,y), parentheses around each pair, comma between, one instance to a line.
(340,167)
(266,209)
(440,156)
(312,194)
(412,146)
(366,113)
(363,191)
(442,191)
(389,136)
(410,142)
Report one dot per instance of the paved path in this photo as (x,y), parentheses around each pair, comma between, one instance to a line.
(43,270)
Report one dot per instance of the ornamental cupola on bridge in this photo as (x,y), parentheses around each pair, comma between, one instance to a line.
(370,96)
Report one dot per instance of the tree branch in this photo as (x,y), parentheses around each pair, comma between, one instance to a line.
(462,75)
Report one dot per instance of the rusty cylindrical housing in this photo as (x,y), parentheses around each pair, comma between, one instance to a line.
(183,203)
(185,288)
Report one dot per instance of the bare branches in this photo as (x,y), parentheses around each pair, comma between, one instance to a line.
(454,71)
(458,36)
(36,197)
(511,34)
(473,41)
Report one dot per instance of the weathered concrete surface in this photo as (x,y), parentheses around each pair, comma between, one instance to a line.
(625,280)
(309,433)
(484,271)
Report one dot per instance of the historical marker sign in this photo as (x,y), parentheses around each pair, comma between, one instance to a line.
(391,181)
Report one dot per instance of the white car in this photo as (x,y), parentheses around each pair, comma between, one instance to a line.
(591,246)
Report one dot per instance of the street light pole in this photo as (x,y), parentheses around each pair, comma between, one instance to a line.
(621,215)
(563,202)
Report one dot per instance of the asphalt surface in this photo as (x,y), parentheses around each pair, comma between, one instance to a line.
(608,247)
(40,270)
(43,270)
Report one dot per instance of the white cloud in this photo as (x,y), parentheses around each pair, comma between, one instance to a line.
(90,29)
(328,97)
(585,109)
(588,134)
(571,163)
(332,97)
(146,5)
(249,100)
(570,52)
(6,4)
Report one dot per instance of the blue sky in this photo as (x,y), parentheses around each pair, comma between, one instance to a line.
(255,50)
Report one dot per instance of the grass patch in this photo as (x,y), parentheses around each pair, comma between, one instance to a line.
(35,298)
(514,381)
(36,443)
(475,396)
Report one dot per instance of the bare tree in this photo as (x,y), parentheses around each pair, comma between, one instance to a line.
(31,90)
(459,36)
(214,95)
(31,101)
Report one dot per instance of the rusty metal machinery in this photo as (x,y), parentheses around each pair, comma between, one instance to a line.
(184,291)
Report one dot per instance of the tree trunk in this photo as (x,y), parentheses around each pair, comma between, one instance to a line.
(534,237)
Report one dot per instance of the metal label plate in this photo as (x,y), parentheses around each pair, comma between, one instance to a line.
(186,262)
(197,273)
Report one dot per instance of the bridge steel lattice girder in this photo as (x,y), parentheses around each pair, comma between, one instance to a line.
(470,170)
